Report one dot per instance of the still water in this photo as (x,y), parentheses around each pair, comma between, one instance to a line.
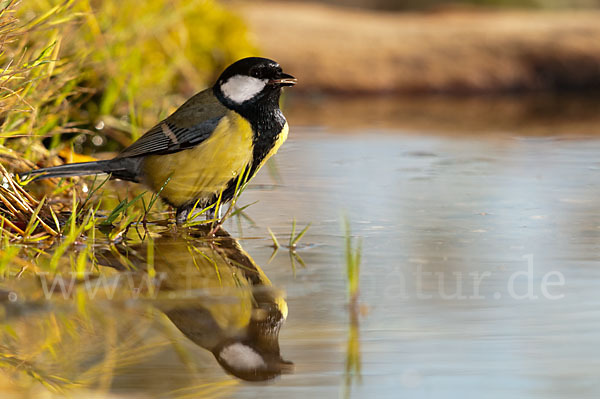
(479,278)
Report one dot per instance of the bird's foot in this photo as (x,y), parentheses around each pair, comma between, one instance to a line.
(211,214)
(181,216)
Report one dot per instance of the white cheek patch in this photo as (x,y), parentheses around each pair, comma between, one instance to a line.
(241,88)
(241,357)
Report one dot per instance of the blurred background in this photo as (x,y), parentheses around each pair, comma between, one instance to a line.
(429,4)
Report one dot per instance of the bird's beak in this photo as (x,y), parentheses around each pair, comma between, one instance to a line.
(284,80)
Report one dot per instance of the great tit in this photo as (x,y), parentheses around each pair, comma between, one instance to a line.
(217,296)
(200,151)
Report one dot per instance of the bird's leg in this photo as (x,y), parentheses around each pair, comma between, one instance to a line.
(212,214)
(181,215)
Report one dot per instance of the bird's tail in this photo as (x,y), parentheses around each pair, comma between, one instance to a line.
(121,168)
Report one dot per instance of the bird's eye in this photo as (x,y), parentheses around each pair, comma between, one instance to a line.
(255,72)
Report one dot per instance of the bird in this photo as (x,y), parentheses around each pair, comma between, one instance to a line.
(216,295)
(201,151)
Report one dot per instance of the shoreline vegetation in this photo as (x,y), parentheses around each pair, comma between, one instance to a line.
(346,51)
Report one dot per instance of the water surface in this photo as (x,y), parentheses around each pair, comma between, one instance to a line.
(479,277)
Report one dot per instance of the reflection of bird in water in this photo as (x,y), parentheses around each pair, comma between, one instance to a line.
(219,298)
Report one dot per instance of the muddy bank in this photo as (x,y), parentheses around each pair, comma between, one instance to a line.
(499,115)
(356,51)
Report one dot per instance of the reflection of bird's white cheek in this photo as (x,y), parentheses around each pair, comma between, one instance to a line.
(242,357)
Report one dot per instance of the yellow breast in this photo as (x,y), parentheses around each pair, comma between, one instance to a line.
(204,170)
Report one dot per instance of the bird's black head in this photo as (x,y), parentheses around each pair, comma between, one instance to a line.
(250,81)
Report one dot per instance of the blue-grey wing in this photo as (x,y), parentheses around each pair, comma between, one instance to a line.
(187,127)
(166,138)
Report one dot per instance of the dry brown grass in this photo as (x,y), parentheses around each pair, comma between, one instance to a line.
(344,50)
(22,215)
